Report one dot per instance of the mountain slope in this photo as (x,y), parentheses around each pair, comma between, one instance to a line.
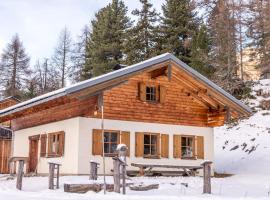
(245,148)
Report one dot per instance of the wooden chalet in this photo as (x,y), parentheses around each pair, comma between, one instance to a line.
(162,109)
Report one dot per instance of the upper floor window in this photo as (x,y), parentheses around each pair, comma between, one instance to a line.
(151,93)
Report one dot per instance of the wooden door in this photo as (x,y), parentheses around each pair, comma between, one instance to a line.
(5,149)
(33,154)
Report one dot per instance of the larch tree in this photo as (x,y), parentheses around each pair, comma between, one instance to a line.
(259,32)
(14,67)
(61,59)
(81,62)
(142,38)
(178,26)
(106,44)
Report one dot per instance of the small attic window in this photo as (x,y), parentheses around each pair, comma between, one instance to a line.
(151,93)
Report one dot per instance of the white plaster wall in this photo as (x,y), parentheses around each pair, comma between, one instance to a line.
(70,159)
(85,142)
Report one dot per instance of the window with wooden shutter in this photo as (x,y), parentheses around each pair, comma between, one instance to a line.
(165,145)
(152,93)
(139,144)
(43,145)
(97,142)
(177,146)
(125,139)
(56,144)
(187,147)
(200,147)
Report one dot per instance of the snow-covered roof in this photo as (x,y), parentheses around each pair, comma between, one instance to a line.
(117,74)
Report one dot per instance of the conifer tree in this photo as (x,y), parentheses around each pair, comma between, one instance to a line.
(14,67)
(178,25)
(200,49)
(107,38)
(142,38)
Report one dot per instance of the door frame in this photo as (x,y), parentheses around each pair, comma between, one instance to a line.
(33,138)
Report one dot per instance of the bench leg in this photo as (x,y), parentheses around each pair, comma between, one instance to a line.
(141,171)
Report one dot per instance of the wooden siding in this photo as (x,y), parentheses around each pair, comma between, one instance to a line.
(5,150)
(124,103)
(52,112)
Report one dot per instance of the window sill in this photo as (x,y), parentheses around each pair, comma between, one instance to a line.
(188,158)
(151,157)
(53,156)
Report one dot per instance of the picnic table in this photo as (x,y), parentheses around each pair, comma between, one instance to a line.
(188,170)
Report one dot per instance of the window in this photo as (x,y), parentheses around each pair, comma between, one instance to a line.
(187,147)
(111,140)
(150,145)
(151,94)
(56,144)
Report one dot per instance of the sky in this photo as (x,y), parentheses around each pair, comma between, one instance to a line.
(39,22)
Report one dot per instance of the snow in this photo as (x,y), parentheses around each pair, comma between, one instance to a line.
(242,150)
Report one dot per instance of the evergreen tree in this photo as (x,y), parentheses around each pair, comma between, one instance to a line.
(61,59)
(142,39)
(178,25)
(107,39)
(14,67)
(200,49)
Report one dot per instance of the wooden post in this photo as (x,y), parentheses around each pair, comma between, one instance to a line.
(206,177)
(124,177)
(122,155)
(93,170)
(51,176)
(116,174)
(20,175)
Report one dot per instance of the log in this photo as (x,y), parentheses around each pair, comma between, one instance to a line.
(144,187)
(116,174)
(51,176)
(20,175)
(83,188)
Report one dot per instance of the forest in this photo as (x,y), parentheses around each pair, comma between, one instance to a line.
(208,35)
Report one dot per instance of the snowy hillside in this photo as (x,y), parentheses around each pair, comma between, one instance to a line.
(245,148)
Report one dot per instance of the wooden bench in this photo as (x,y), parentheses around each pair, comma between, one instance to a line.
(188,170)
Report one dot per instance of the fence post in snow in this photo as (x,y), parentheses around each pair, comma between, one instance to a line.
(206,177)
(93,170)
(20,175)
(116,174)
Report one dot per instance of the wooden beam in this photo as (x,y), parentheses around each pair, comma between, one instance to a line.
(208,99)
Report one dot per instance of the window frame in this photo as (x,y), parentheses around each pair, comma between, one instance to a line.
(110,154)
(51,154)
(157,145)
(153,93)
(192,147)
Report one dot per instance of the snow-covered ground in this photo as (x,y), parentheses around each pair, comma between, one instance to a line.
(242,150)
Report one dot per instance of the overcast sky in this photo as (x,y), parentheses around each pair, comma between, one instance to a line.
(38,22)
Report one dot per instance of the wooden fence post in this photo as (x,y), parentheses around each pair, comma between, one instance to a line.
(51,176)
(93,170)
(206,177)
(116,174)
(122,155)
(20,175)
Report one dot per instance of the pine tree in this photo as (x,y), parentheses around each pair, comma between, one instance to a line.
(14,67)
(200,49)
(107,38)
(179,24)
(142,39)
(62,57)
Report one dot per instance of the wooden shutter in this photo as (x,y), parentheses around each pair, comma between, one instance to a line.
(162,93)
(97,142)
(158,145)
(125,139)
(139,139)
(177,146)
(164,145)
(61,148)
(142,91)
(43,145)
(200,147)
(50,141)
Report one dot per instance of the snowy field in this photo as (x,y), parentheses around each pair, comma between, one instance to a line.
(242,150)
(235,187)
